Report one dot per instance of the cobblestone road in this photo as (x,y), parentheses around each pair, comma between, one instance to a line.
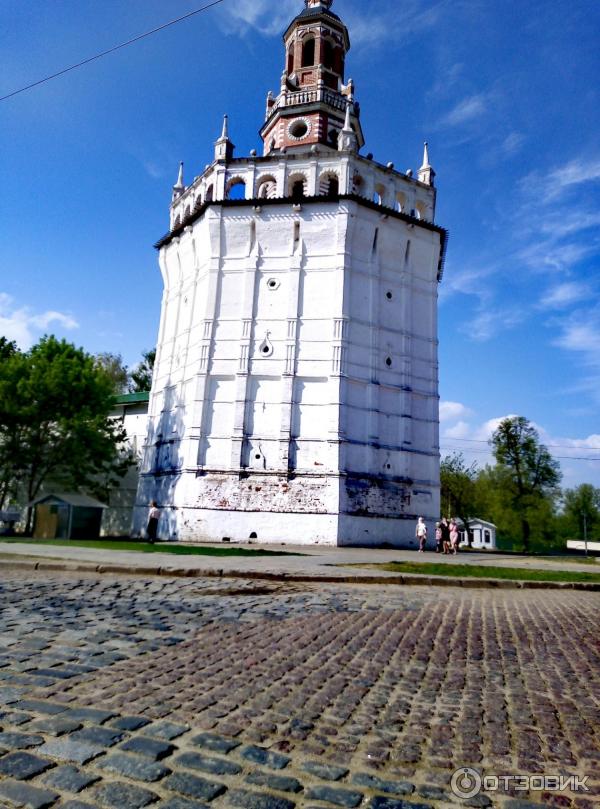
(187,694)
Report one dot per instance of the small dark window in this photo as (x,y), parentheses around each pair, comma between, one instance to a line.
(388,362)
(290,68)
(257,457)
(308,53)
(253,535)
(389,296)
(209,194)
(333,187)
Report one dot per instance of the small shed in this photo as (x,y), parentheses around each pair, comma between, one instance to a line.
(67,516)
(483,533)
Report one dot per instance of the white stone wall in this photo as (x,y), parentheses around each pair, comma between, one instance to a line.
(295,396)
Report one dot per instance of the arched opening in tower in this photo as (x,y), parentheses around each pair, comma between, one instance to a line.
(329,55)
(308,53)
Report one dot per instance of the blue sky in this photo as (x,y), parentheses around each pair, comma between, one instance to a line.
(507,94)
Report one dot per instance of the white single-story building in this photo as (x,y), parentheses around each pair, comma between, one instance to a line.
(484,534)
(131,410)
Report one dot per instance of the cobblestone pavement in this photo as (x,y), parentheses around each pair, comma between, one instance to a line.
(186,694)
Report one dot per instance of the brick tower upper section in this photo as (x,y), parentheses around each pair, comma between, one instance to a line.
(311,106)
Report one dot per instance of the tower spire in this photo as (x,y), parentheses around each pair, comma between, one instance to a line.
(426,172)
(314,3)
(224,147)
(179,186)
(225,132)
(348,140)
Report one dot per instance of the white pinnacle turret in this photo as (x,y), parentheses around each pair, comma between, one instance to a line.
(426,164)
(426,172)
(348,141)
(224,147)
(225,132)
(179,186)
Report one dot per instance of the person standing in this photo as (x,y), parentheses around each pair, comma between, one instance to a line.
(454,536)
(445,536)
(153,519)
(439,538)
(421,534)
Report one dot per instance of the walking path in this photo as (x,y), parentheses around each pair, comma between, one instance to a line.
(311,561)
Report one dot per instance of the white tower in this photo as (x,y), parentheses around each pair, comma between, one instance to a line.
(295,393)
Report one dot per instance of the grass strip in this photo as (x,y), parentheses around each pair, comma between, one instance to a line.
(485,572)
(146,547)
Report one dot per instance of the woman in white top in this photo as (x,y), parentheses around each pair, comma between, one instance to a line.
(421,534)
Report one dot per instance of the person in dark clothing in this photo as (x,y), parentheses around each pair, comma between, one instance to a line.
(439,539)
(445,535)
(153,519)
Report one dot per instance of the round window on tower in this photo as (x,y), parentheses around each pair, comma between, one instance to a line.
(299,129)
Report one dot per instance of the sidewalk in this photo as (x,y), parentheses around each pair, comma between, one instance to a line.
(317,563)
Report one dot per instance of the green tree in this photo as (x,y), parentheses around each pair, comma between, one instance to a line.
(55,424)
(112,365)
(528,471)
(581,511)
(7,348)
(458,489)
(9,356)
(141,376)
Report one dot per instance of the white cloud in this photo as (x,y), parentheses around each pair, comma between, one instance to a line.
(262,15)
(24,326)
(466,110)
(564,295)
(560,181)
(490,321)
(390,22)
(541,256)
(572,174)
(512,143)
(397,22)
(451,411)
(580,334)
(567,223)
(583,337)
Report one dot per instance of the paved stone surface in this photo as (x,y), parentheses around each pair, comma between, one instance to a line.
(187,694)
(23,765)
(69,779)
(19,794)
